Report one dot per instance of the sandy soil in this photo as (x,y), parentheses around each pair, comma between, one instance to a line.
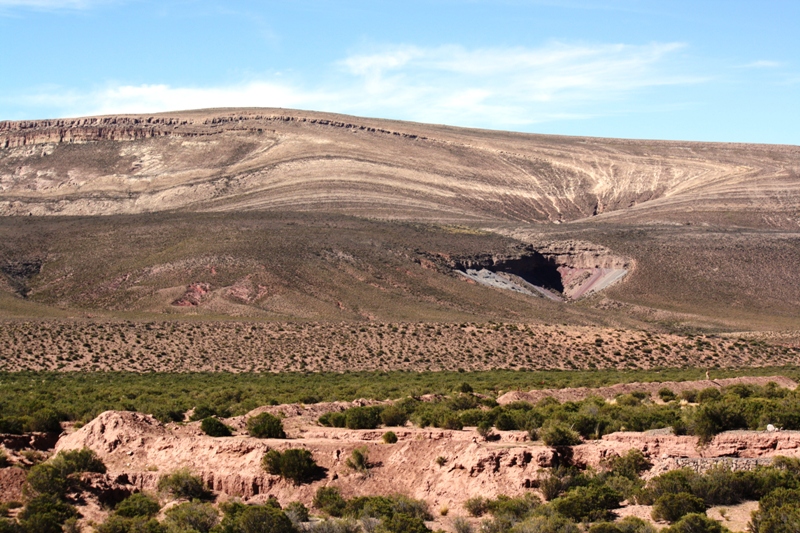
(239,347)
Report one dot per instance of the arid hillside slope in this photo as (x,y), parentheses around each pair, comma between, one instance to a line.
(275,159)
(272,214)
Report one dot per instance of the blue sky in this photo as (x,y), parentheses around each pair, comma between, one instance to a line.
(690,70)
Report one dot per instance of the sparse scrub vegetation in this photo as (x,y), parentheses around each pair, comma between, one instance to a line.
(31,399)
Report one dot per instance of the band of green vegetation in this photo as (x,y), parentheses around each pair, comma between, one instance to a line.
(40,401)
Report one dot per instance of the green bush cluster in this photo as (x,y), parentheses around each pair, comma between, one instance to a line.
(777,512)
(134,514)
(680,496)
(265,426)
(673,507)
(183,484)
(564,424)
(354,418)
(395,513)
(213,427)
(720,485)
(294,464)
(62,473)
(49,485)
(137,514)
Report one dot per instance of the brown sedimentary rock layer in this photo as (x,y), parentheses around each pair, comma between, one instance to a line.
(222,160)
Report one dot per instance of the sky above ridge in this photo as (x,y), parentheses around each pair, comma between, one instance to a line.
(689,70)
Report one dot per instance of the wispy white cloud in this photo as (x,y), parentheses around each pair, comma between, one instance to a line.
(762,64)
(493,87)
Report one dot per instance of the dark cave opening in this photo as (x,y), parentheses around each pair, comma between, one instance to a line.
(532,267)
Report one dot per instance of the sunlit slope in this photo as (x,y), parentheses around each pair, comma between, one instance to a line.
(269,159)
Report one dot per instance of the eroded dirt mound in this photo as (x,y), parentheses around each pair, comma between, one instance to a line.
(442,467)
(575,394)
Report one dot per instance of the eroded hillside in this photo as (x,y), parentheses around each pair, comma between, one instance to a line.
(223,160)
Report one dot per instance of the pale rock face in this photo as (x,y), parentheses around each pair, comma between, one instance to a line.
(220,160)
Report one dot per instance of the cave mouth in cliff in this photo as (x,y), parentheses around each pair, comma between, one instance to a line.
(533,269)
(529,273)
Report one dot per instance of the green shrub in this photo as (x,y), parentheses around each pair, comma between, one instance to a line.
(264,519)
(183,484)
(402,523)
(708,395)
(465,388)
(202,412)
(505,422)
(390,437)
(358,460)
(462,525)
(45,514)
(138,524)
(672,482)
(12,426)
(666,395)
(629,524)
(630,489)
(696,523)
(59,475)
(778,511)
(329,500)
(558,434)
(212,427)
(10,526)
(551,486)
(138,504)
(195,516)
(333,420)
(452,422)
(297,512)
(517,508)
(690,395)
(363,417)
(3,459)
(590,503)
(485,429)
(45,420)
(673,507)
(394,416)
(385,507)
(477,506)
(628,400)
(265,426)
(630,465)
(722,486)
(603,527)
(546,524)
(295,464)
